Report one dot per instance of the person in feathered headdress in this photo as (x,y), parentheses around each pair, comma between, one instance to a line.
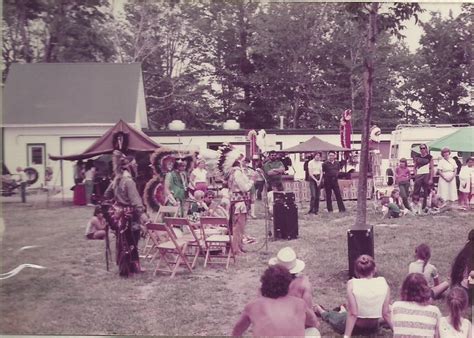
(131,214)
(230,167)
(169,184)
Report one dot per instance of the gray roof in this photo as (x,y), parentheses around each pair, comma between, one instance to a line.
(55,93)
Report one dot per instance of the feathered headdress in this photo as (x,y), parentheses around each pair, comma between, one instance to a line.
(227,157)
(163,156)
(154,194)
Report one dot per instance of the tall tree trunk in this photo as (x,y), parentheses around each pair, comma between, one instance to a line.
(361,217)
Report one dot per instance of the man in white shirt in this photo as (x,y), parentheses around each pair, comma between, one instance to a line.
(315,176)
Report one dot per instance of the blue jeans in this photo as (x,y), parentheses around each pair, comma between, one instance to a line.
(337,320)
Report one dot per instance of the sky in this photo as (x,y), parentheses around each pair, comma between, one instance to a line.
(413,32)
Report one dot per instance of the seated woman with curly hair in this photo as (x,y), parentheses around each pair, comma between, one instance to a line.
(275,313)
(414,315)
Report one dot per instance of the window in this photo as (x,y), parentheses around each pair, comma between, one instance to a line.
(36,155)
(413,153)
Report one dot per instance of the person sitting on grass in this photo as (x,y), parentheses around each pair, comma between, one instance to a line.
(368,299)
(416,206)
(422,265)
(390,209)
(454,326)
(96,226)
(413,316)
(435,203)
(275,312)
(300,286)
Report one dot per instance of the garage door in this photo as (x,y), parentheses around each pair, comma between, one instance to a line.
(72,146)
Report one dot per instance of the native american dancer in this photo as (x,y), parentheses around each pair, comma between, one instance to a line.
(230,166)
(128,213)
(171,174)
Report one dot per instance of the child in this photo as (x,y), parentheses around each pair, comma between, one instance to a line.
(454,326)
(395,198)
(422,265)
(415,205)
(434,202)
(96,226)
(198,206)
(390,209)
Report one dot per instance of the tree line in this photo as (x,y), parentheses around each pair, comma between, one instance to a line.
(207,61)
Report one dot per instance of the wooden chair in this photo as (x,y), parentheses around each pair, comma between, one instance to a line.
(165,248)
(194,239)
(221,244)
(164,211)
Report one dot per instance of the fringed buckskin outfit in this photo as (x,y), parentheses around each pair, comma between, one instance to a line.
(239,187)
(129,213)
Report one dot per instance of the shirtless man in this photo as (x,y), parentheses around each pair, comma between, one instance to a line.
(275,312)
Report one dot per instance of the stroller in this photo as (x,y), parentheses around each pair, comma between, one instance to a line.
(11,182)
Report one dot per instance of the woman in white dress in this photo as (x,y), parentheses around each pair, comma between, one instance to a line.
(447,177)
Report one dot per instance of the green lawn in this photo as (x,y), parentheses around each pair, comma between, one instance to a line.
(76,295)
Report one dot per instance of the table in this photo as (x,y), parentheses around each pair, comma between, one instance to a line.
(348,189)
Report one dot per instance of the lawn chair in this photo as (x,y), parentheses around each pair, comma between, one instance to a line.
(164,211)
(194,239)
(168,245)
(220,245)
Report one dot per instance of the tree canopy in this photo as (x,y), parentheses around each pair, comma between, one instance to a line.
(207,61)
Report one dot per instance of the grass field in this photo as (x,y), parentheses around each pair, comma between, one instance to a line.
(75,295)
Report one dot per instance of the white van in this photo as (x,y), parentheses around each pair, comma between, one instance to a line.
(407,136)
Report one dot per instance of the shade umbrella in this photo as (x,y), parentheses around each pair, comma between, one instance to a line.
(314,144)
(461,140)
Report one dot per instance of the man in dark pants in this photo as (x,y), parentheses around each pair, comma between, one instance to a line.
(423,172)
(315,176)
(331,170)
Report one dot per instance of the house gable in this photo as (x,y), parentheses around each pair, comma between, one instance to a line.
(73,93)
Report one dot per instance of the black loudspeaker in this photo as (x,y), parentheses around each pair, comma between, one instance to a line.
(360,242)
(285,220)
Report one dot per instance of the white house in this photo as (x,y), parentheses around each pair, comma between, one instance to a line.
(62,108)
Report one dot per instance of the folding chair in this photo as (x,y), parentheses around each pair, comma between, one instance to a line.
(210,228)
(221,244)
(164,211)
(194,240)
(171,246)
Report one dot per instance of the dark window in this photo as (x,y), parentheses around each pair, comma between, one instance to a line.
(36,155)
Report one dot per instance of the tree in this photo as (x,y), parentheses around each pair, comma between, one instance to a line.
(55,31)
(443,72)
(288,53)
(391,21)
